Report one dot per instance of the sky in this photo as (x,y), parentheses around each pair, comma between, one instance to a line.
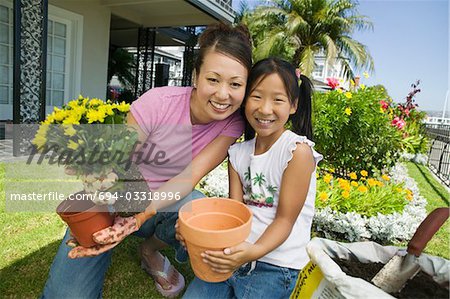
(409,42)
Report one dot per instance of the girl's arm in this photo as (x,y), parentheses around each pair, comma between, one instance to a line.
(235,185)
(293,191)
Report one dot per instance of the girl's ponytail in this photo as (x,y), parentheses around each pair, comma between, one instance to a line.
(301,119)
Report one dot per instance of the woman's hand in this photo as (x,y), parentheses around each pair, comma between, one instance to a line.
(110,237)
(229,259)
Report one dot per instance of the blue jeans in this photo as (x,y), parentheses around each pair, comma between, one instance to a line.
(264,281)
(84,277)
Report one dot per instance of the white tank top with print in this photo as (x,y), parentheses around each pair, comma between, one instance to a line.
(261,176)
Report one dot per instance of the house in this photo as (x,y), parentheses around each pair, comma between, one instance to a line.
(328,69)
(62,46)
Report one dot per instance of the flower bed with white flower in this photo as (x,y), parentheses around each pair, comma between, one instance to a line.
(352,226)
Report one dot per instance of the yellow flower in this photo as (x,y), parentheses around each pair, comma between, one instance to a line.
(73,118)
(362,189)
(362,86)
(364,173)
(381,110)
(353,176)
(123,107)
(385,177)
(41,136)
(348,111)
(69,130)
(366,75)
(72,145)
(399,190)
(348,95)
(352,82)
(323,196)
(372,182)
(339,90)
(327,178)
(95,102)
(345,194)
(95,115)
(354,184)
(74,104)
(107,108)
(409,197)
(59,115)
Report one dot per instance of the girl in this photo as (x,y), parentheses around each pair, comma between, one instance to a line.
(274,174)
(194,127)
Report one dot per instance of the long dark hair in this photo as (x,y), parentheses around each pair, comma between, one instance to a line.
(297,89)
(228,40)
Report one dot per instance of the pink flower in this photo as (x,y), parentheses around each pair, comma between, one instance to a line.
(384,104)
(398,122)
(333,83)
(406,111)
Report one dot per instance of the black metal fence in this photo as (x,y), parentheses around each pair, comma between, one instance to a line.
(439,153)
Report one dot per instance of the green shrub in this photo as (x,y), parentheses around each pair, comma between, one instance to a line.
(353,132)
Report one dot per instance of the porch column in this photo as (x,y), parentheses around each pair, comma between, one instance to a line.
(188,57)
(30,55)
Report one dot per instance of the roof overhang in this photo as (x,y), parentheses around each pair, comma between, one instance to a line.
(171,13)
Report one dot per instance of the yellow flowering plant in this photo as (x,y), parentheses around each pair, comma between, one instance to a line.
(358,193)
(90,137)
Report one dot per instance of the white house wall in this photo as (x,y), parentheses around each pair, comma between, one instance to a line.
(95,45)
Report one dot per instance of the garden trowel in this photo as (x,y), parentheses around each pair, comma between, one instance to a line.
(399,269)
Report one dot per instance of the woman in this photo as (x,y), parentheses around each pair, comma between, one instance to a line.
(193,128)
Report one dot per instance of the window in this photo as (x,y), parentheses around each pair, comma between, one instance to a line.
(6,54)
(63,57)
(56,63)
(318,71)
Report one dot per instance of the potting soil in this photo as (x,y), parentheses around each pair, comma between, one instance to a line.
(421,286)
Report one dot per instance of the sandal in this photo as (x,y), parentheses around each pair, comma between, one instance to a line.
(175,289)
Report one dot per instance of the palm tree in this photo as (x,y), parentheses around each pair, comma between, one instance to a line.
(121,63)
(259,179)
(298,29)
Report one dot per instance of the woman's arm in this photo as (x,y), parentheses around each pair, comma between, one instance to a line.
(142,137)
(235,185)
(208,159)
(183,183)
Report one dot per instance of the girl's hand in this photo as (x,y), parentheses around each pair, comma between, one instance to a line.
(178,236)
(229,259)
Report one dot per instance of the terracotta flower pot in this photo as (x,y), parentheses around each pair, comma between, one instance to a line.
(84,218)
(213,224)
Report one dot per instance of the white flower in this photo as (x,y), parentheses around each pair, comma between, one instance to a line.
(380,228)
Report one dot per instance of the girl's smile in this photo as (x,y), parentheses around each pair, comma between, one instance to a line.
(268,107)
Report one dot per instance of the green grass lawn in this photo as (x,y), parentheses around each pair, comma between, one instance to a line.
(29,242)
(437,196)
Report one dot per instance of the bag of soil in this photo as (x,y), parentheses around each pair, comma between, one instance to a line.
(323,278)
